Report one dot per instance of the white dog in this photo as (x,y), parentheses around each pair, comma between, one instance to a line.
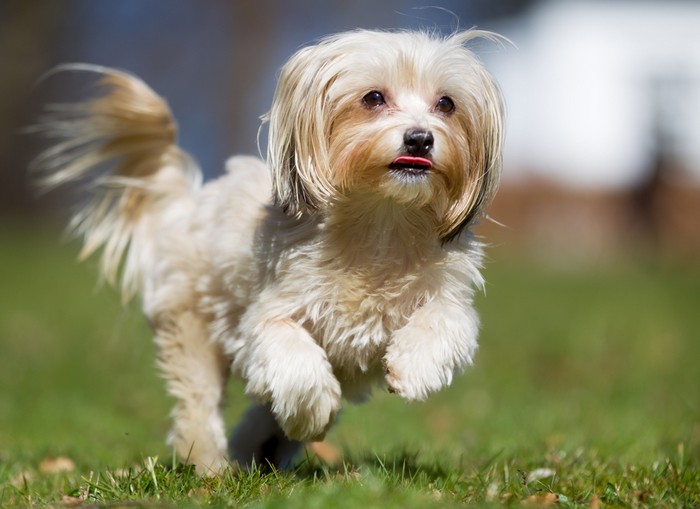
(344,262)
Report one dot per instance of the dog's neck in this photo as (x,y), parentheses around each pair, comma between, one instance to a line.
(363,230)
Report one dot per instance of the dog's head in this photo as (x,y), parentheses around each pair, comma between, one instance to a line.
(409,116)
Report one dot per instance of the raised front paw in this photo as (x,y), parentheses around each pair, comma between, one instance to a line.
(414,378)
(418,362)
(423,356)
(288,371)
(313,414)
(301,391)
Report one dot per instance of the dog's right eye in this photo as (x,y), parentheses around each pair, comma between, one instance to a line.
(373,99)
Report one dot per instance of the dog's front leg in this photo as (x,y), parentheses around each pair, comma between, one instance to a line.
(285,368)
(438,341)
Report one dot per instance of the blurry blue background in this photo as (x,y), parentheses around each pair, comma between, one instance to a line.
(215,62)
(603,142)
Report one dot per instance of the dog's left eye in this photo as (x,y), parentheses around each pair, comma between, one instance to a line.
(373,99)
(445,105)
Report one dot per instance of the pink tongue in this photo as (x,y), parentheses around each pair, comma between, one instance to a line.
(415,161)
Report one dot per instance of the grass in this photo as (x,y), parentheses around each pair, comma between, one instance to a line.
(585,393)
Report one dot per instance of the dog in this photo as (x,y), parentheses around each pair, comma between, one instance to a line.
(343,262)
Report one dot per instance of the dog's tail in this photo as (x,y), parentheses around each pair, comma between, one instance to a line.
(121,146)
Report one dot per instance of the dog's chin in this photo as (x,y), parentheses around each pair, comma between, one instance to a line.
(406,180)
(408,184)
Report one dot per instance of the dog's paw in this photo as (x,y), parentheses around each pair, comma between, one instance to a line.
(288,371)
(312,415)
(413,380)
(415,372)
(301,392)
(424,355)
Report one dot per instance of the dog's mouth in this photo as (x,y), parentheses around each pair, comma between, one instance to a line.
(411,166)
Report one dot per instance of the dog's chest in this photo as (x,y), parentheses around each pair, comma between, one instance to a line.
(353,316)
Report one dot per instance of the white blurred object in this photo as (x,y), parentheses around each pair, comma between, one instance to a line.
(596,89)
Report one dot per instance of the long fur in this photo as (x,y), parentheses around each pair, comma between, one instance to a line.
(318,278)
(122,147)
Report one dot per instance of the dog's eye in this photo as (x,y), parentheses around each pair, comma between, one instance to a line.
(445,105)
(373,99)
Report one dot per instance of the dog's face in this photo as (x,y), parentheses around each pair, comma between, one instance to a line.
(406,116)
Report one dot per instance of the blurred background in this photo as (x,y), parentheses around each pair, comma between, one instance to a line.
(603,139)
(589,324)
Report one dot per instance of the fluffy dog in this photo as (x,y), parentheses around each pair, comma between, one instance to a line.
(343,262)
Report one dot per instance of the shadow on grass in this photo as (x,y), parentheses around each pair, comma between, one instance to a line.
(404,466)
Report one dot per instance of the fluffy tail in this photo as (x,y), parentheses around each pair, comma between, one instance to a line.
(121,146)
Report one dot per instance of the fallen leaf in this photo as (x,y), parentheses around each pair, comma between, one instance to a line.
(200,491)
(56,465)
(542,499)
(492,492)
(71,501)
(21,479)
(540,473)
(326,452)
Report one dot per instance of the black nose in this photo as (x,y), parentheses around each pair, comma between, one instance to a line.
(418,142)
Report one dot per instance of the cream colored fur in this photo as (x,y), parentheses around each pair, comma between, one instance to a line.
(335,274)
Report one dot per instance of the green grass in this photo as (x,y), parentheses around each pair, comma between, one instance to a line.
(592,373)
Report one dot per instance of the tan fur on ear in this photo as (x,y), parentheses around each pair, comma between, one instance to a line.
(485,140)
(301,120)
(298,135)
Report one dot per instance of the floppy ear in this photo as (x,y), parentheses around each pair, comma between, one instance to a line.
(484,126)
(299,132)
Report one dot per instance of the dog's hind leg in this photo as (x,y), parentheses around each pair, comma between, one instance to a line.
(196,371)
(259,440)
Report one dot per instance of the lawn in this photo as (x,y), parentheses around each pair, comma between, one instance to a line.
(585,393)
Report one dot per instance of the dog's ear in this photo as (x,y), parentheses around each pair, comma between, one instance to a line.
(299,131)
(484,140)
